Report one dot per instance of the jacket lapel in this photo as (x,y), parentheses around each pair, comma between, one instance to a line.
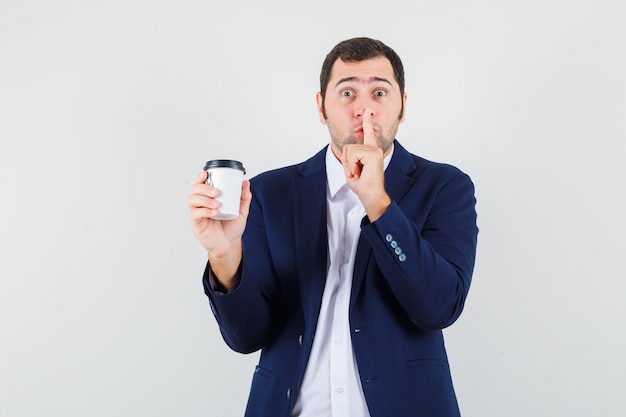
(311,234)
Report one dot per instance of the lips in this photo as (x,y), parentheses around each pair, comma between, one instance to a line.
(359,131)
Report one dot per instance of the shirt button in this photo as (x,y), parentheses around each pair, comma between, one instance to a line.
(340,390)
(338,340)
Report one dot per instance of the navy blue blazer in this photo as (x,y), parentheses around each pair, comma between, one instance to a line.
(411,278)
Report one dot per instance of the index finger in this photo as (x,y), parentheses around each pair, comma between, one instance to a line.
(200,186)
(369,138)
(201,177)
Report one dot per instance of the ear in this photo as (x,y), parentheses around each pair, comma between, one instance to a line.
(404,106)
(320,110)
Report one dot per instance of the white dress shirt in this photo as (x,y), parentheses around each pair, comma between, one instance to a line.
(331,386)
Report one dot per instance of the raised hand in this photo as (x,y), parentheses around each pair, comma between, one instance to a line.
(363,167)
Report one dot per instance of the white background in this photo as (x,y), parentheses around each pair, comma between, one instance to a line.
(108,110)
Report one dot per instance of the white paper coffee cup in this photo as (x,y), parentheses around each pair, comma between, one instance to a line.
(226,175)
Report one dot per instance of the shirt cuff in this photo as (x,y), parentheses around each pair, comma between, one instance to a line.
(215,285)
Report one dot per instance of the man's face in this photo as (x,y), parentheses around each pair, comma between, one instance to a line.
(353,87)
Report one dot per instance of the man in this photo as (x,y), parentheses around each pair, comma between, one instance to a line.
(344,269)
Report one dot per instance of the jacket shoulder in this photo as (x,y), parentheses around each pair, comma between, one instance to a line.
(279,177)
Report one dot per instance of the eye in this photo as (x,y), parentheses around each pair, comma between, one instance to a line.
(380,93)
(347,93)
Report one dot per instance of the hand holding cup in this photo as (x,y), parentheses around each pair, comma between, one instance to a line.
(221,238)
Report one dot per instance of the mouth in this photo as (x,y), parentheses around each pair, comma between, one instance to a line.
(359,128)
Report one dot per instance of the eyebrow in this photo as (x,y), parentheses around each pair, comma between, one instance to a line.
(370,80)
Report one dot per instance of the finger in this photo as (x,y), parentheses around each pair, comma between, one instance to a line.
(200,201)
(369,137)
(200,214)
(351,169)
(200,186)
(205,190)
(201,177)
(246,198)
(355,170)
(347,171)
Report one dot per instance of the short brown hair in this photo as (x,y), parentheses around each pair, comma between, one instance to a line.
(360,49)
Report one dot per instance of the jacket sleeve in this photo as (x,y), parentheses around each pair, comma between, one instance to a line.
(425,248)
(248,314)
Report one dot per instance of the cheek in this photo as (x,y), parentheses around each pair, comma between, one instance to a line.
(340,114)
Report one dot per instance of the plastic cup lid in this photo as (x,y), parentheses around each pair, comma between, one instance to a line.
(224,163)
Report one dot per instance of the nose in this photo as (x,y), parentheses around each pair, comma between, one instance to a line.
(359,111)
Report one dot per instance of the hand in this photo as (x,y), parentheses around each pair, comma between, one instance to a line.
(364,170)
(221,238)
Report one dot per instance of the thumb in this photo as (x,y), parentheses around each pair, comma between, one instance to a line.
(246,198)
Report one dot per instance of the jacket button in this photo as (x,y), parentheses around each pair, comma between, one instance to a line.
(300,340)
(289,393)
(402,257)
(394,244)
(398,251)
(388,238)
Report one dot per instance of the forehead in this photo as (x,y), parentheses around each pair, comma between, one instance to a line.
(362,71)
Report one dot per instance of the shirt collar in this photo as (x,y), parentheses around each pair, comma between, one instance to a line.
(334,170)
